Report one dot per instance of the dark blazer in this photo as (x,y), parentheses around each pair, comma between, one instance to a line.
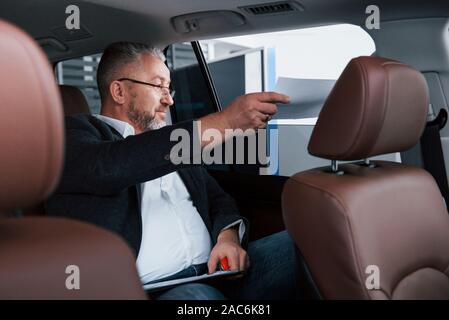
(101,179)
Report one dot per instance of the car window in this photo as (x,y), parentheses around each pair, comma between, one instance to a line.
(193,98)
(82,73)
(303,64)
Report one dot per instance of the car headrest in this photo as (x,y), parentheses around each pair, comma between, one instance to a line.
(31,122)
(73,100)
(377,106)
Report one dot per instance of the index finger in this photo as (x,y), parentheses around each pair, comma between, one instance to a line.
(212,263)
(273,97)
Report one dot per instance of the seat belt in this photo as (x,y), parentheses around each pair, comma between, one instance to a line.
(432,152)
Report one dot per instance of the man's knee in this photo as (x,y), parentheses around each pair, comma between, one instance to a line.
(275,244)
(192,291)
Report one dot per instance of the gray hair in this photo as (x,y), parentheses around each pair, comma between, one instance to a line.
(118,54)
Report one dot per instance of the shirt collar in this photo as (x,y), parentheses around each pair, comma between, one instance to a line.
(124,128)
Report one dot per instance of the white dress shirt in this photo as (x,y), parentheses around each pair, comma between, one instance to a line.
(174,235)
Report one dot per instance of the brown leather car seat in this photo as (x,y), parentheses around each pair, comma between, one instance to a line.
(73,100)
(36,253)
(371,229)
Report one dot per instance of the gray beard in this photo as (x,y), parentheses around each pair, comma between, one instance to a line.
(155,124)
(143,121)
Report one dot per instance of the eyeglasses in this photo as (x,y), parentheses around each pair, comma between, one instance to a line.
(164,90)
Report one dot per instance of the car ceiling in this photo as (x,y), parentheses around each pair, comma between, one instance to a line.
(150,21)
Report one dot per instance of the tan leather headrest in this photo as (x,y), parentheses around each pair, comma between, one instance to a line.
(73,100)
(31,122)
(377,106)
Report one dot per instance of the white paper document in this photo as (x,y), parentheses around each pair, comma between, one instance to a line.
(171,283)
(307,97)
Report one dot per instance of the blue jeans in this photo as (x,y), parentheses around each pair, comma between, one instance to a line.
(273,274)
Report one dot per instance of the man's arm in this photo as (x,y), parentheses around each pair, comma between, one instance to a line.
(107,167)
(223,212)
(95,166)
(250,111)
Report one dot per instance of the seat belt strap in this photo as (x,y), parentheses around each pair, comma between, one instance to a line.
(432,152)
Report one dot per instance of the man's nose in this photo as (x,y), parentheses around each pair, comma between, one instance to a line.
(167,100)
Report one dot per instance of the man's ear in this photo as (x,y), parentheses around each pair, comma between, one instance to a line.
(117,91)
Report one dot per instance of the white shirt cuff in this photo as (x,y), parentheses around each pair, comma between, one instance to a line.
(242,228)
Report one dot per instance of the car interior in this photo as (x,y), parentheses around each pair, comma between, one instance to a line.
(346,211)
